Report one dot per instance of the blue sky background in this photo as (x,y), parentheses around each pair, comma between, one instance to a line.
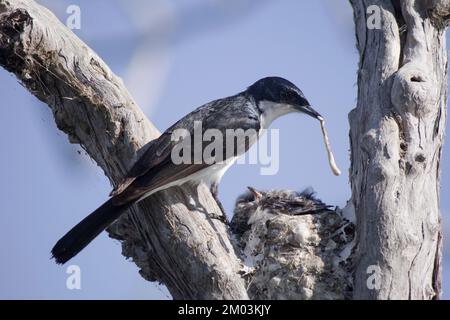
(173,56)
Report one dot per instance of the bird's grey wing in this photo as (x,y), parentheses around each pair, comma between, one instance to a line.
(156,152)
(239,122)
(159,150)
(160,175)
(156,168)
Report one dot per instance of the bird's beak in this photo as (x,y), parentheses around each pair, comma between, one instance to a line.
(311,112)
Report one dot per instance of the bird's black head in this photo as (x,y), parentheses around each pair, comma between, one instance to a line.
(281,92)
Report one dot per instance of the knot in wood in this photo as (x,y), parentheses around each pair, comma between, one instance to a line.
(414,91)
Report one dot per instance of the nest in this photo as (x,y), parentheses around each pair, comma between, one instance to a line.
(293,245)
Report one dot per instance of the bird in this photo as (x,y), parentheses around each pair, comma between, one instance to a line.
(253,204)
(251,110)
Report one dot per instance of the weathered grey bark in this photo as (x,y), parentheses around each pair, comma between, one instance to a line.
(396,135)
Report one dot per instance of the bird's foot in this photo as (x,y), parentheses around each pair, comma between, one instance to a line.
(221,217)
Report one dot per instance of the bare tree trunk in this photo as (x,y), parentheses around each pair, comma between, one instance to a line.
(396,135)
(174,237)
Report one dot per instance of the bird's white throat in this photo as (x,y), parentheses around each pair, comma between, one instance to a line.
(272,111)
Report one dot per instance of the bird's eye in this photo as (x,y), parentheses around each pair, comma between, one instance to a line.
(288,95)
(285,95)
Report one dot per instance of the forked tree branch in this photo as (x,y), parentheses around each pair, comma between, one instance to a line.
(181,246)
(173,236)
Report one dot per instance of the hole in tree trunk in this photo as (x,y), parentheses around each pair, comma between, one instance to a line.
(417,79)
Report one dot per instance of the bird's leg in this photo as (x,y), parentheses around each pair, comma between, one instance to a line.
(215,193)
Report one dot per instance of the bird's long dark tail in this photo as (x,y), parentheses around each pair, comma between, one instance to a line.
(84,232)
